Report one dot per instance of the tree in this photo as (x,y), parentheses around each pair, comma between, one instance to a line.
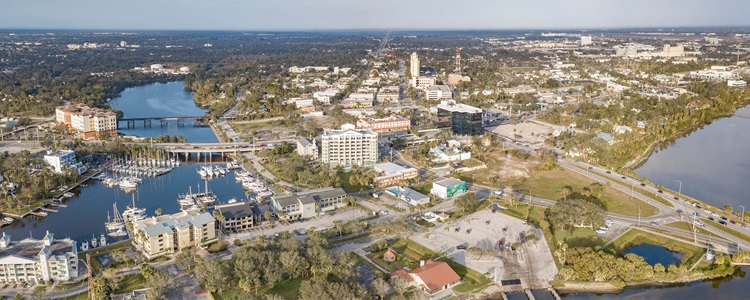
(569,213)
(728,209)
(158,211)
(159,284)
(214,274)
(381,287)
(566,191)
(467,202)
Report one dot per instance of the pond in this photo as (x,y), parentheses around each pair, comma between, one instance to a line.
(656,254)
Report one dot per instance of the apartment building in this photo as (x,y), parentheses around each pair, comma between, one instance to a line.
(307,147)
(388,94)
(349,146)
(168,234)
(238,216)
(389,124)
(63,160)
(88,122)
(32,260)
(305,205)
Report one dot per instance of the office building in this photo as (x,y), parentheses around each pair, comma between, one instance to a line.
(169,234)
(390,174)
(389,124)
(438,92)
(461,118)
(308,204)
(88,122)
(349,146)
(307,147)
(422,82)
(238,216)
(63,160)
(448,188)
(414,66)
(586,40)
(32,260)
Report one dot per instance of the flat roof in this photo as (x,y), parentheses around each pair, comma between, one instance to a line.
(459,107)
(448,182)
(390,168)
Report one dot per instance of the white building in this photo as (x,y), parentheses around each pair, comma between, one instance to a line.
(300,103)
(737,83)
(422,82)
(32,260)
(307,147)
(349,146)
(325,97)
(438,92)
(414,66)
(449,154)
(586,40)
(448,188)
(62,160)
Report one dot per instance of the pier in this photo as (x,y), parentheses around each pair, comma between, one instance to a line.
(742,115)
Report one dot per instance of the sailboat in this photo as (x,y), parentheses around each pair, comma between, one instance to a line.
(117,223)
(133,214)
(206,197)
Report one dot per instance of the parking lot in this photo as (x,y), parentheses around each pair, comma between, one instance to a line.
(531,262)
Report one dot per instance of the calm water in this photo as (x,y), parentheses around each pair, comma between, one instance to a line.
(656,254)
(713,164)
(87,212)
(161,100)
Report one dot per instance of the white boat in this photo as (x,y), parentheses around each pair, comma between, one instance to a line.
(232,200)
(85,246)
(202,172)
(68,195)
(110,182)
(8,219)
(117,223)
(94,242)
(102,240)
(119,233)
(127,183)
(209,172)
(132,213)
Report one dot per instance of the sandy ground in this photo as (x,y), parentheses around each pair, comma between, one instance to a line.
(18,146)
(525,130)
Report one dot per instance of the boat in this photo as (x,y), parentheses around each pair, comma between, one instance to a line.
(68,195)
(119,233)
(132,213)
(209,172)
(102,240)
(202,172)
(232,200)
(117,223)
(94,242)
(85,246)
(110,182)
(127,183)
(8,219)
(206,197)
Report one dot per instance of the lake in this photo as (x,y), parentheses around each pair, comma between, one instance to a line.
(656,254)
(161,100)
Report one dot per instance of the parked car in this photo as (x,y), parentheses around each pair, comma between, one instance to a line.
(722,222)
(654,224)
(643,184)
(461,247)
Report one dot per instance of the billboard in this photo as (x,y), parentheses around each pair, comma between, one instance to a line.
(454,190)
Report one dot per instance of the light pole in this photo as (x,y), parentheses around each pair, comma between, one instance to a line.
(742,216)
(679,192)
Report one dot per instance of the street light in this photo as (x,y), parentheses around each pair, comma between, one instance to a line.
(679,192)
(742,216)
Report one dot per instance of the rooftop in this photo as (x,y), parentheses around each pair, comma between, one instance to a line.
(29,248)
(238,210)
(154,226)
(390,168)
(448,182)
(458,107)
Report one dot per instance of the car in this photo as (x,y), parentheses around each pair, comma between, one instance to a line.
(714,214)
(458,229)
(699,222)
(487,222)
(384,212)
(679,211)
(654,224)
(676,198)
(468,231)
(623,177)
(711,219)
(722,222)
(600,231)
(591,168)
(461,247)
(660,191)
(609,172)
(643,184)
(724,218)
(733,222)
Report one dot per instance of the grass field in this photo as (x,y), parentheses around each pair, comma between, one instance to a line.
(637,188)
(579,237)
(412,250)
(130,283)
(637,237)
(471,280)
(728,229)
(377,258)
(689,227)
(549,183)
(347,186)
(287,289)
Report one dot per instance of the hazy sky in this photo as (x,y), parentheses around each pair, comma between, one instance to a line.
(372,14)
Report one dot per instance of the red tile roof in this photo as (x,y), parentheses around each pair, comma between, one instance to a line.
(435,274)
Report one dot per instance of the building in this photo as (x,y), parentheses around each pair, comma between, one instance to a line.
(438,92)
(238,216)
(349,146)
(325,97)
(431,276)
(461,118)
(448,188)
(408,195)
(422,82)
(448,154)
(388,94)
(390,174)
(736,83)
(389,256)
(62,160)
(300,103)
(454,79)
(389,124)
(586,40)
(32,260)
(307,147)
(168,234)
(308,204)
(414,66)
(89,122)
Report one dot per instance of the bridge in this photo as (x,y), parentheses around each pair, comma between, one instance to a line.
(742,115)
(186,148)
(198,121)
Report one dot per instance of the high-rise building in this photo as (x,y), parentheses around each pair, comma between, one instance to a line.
(461,118)
(349,146)
(414,65)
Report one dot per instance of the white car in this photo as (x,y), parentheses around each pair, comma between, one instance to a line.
(714,214)
(699,222)
(601,231)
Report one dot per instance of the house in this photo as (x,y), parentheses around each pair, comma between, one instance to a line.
(389,256)
(307,147)
(390,173)
(238,216)
(448,187)
(433,217)
(431,276)
(62,160)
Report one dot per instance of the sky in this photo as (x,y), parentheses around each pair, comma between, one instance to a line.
(371,14)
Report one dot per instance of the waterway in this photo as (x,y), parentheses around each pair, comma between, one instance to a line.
(161,100)
(656,254)
(713,165)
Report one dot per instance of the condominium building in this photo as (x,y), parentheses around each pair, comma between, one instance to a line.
(32,260)
(438,92)
(389,124)
(305,205)
(168,234)
(307,147)
(238,216)
(414,66)
(461,118)
(349,146)
(63,160)
(88,122)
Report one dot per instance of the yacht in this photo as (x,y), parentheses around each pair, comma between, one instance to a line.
(94,242)
(119,233)
(8,219)
(102,240)
(128,183)
(117,223)
(202,172)
(85,246)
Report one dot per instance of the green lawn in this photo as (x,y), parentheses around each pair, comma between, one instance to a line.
(579,237)
(548,184)
(226,294)
(130,283)
(412,250)
(637,237)
(377,258)
(287,289)
(347,186)
(689,227)
(471,280)
(728,229)
(82,296)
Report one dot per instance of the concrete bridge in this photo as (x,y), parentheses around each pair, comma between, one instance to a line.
(218,147)
(198,121)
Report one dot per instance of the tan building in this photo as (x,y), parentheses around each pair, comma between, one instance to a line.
(392,123)
(390,174)
(238,216)
(32,260)
(454,79)
(89,122)
(308,204)
(168,234)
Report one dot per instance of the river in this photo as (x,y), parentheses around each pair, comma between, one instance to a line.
(87,212)
(162,100)
(713,165)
